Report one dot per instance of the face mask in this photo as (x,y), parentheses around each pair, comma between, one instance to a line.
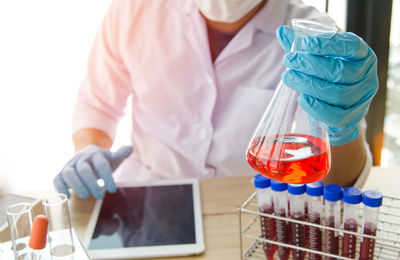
(225,10)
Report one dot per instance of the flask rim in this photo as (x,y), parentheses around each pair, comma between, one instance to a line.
(313,26)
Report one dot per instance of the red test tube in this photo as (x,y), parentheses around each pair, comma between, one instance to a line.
(280,200)
(297,212)
(372,200)
(333,200)
(315,203)
(264,200)
(352,198)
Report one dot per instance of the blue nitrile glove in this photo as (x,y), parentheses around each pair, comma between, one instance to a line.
(336,75)
(86,167)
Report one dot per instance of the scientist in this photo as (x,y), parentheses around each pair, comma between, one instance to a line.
(199,74)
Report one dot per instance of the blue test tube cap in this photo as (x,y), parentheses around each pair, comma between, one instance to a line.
(352,195)
(372,198)
(261,182)
(278,186)
(333,192)
(315,189)
(296,189)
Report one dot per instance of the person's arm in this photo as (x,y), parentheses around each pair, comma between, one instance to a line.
(348,161)
(100,105)
(336,76)
(85,137)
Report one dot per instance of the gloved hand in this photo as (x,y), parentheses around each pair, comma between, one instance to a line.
(336,75)
(88,165)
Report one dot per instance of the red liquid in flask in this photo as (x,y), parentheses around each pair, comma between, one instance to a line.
(298,236)
(331,240)
(368,244)
(315,236)
(349,241)
(268,232)
(290,158)
(282,235)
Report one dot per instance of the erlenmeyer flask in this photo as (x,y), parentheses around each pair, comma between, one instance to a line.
(288,144)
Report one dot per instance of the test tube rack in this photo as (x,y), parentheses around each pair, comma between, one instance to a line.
(387,239)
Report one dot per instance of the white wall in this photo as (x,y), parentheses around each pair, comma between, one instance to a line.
(44,45)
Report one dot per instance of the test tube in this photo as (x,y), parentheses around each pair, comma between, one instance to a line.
(20,219)
(280,201)
(315,191)
(297,212)
(264,200)
(60,233)
(372,200)
(333,200)
(352,198)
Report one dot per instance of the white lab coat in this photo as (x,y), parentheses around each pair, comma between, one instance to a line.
(190,117)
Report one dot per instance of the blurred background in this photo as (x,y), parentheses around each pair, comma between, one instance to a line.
(44,46)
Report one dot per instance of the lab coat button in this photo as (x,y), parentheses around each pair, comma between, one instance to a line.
(203,134)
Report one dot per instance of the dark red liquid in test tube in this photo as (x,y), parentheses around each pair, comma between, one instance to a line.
(298,236)
(306,227)
(352,198)
(331,240)
(314,212)
(265,205)
(367,247)
(333,197)
(282,235)
(280,201)
(349,241)
(372,201)
(315,236)
(268,231)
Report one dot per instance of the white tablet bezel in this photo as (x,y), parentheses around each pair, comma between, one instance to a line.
(152,251)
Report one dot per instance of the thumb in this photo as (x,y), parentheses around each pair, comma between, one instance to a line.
(285,36)
(117,157)
(121,153)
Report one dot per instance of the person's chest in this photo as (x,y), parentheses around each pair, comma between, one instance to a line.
(181,97)
(168,60)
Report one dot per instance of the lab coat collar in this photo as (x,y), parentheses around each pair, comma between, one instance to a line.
(271,16)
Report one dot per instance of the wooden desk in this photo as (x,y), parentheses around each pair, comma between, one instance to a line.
(221,199)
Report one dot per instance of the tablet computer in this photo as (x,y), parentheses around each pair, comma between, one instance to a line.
(145,220)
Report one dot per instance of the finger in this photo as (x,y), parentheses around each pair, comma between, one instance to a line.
(329,68)
(61,186)
(89,179)
(285,36)
(346,45)
(334,94)
(70,177)
(103,170)
(338,116)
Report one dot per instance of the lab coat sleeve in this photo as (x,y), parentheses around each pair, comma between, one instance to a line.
(104,92)
(368,163)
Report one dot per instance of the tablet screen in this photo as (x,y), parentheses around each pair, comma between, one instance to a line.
(145,216)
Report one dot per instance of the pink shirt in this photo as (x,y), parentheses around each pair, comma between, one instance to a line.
(190,117)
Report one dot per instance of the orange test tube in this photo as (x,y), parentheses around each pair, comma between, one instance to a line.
(37,240)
